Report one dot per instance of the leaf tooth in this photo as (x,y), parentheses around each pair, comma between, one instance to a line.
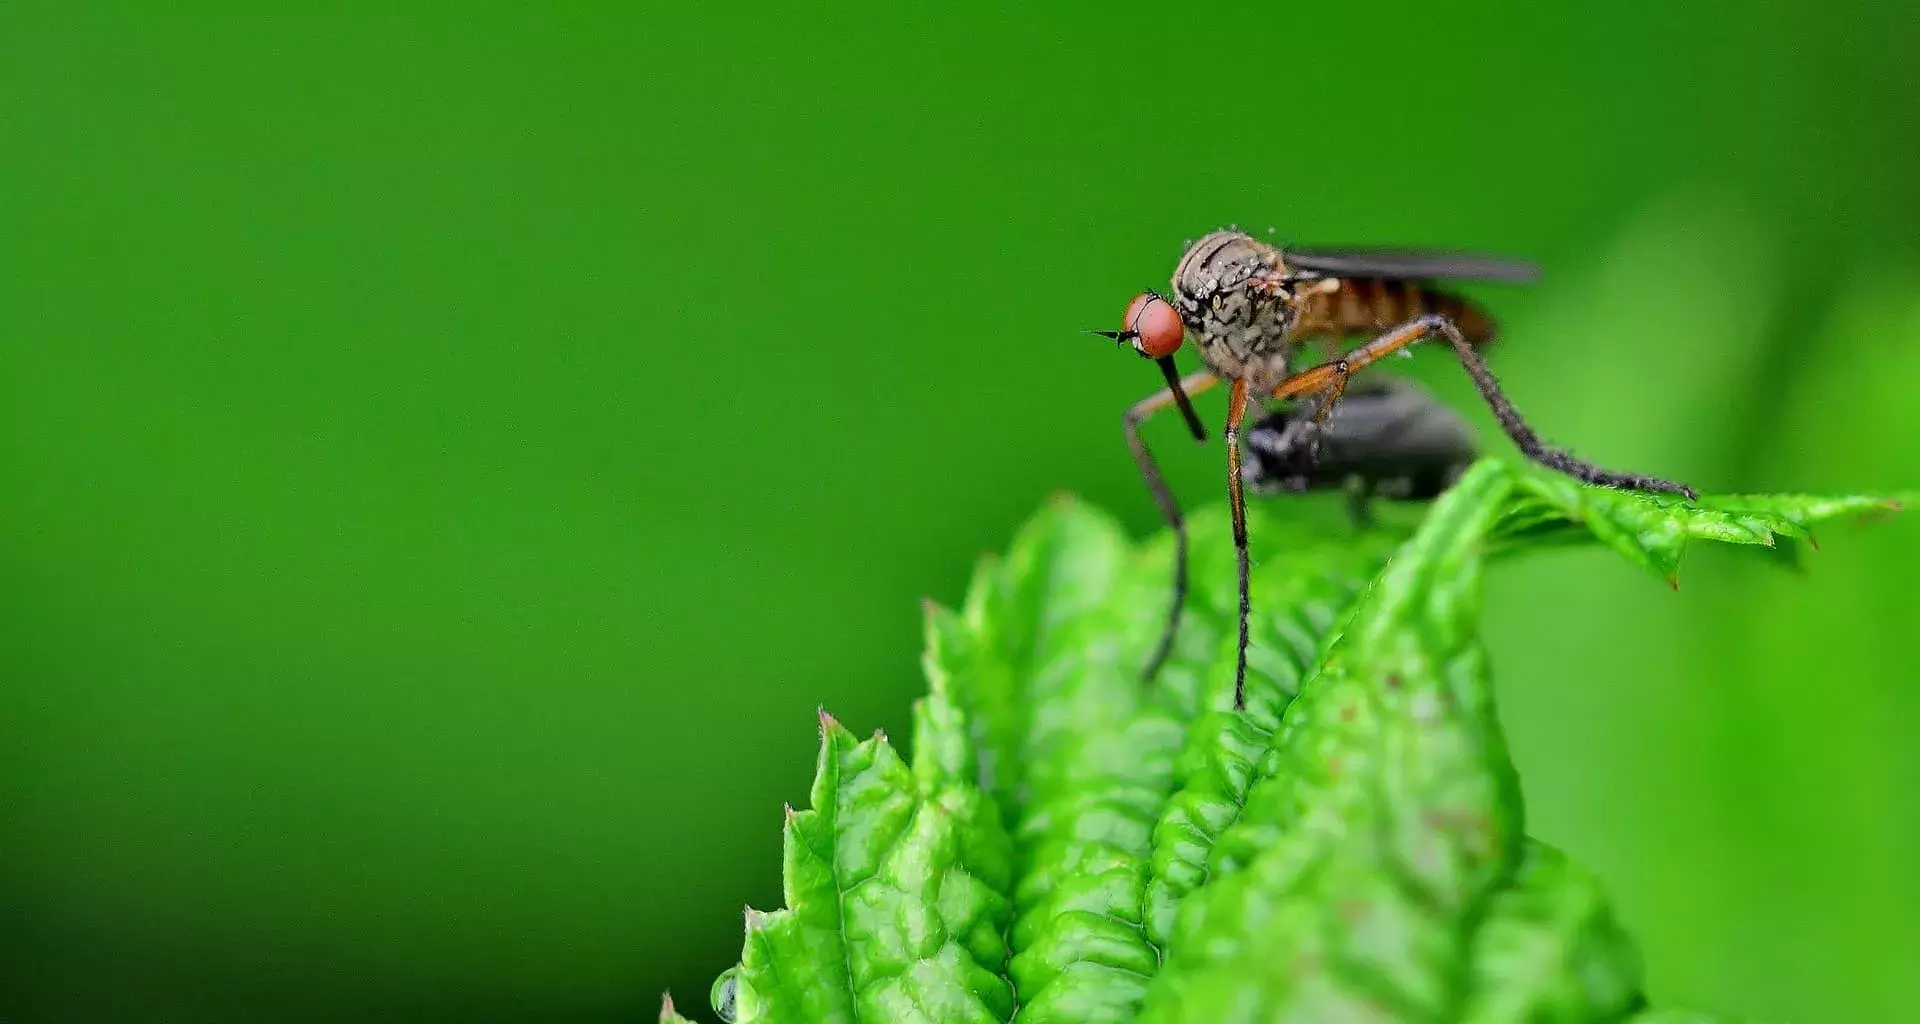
(980,586)
(929,929)
(668,1013)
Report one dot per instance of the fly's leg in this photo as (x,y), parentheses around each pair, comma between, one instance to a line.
(1193,384)
(1309,437)
(1236,413)
(1331,377)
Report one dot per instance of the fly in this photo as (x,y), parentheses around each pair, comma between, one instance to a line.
(1250,308)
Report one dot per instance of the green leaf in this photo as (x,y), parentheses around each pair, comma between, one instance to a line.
(1069,845)
(1652,530)
(1302,597)
(1381,820)
(1550,949)
(1086,754)
(886,919)
(1683,1017)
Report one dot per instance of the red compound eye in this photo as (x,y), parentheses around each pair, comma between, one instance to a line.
(1155,327)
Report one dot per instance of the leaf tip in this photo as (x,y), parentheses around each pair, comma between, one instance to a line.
(880,735)
(828,723)
(787,813)
(1062,499)
(755,920)
(667,1012)
(1673,580)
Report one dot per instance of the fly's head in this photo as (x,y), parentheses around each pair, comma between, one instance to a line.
(1153,329)
(1234,294)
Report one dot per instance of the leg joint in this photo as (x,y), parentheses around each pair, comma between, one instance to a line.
(1436,323)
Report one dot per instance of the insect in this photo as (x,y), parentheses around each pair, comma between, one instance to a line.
(1251,308)
(1387,439)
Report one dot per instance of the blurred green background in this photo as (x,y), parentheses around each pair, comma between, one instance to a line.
(451,449)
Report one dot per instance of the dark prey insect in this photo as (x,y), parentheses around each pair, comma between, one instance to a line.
(1250,308)
(1387,439)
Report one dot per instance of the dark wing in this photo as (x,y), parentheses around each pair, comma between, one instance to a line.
(1409,263)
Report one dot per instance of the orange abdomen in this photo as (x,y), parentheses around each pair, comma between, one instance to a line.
(1363,307)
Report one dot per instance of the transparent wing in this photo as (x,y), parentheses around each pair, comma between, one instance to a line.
(1412,263)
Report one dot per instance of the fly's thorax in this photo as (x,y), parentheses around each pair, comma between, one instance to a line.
(1229,290)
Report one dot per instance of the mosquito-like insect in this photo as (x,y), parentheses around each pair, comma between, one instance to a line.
(1250,307)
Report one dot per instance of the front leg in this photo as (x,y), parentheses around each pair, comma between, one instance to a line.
(1163,496)
(1236,414)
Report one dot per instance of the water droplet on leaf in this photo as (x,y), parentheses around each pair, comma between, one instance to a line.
(726,991)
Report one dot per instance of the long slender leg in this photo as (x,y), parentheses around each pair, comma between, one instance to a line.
(1236,412)
(1333,375)
(1193,384)
(1310,431)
